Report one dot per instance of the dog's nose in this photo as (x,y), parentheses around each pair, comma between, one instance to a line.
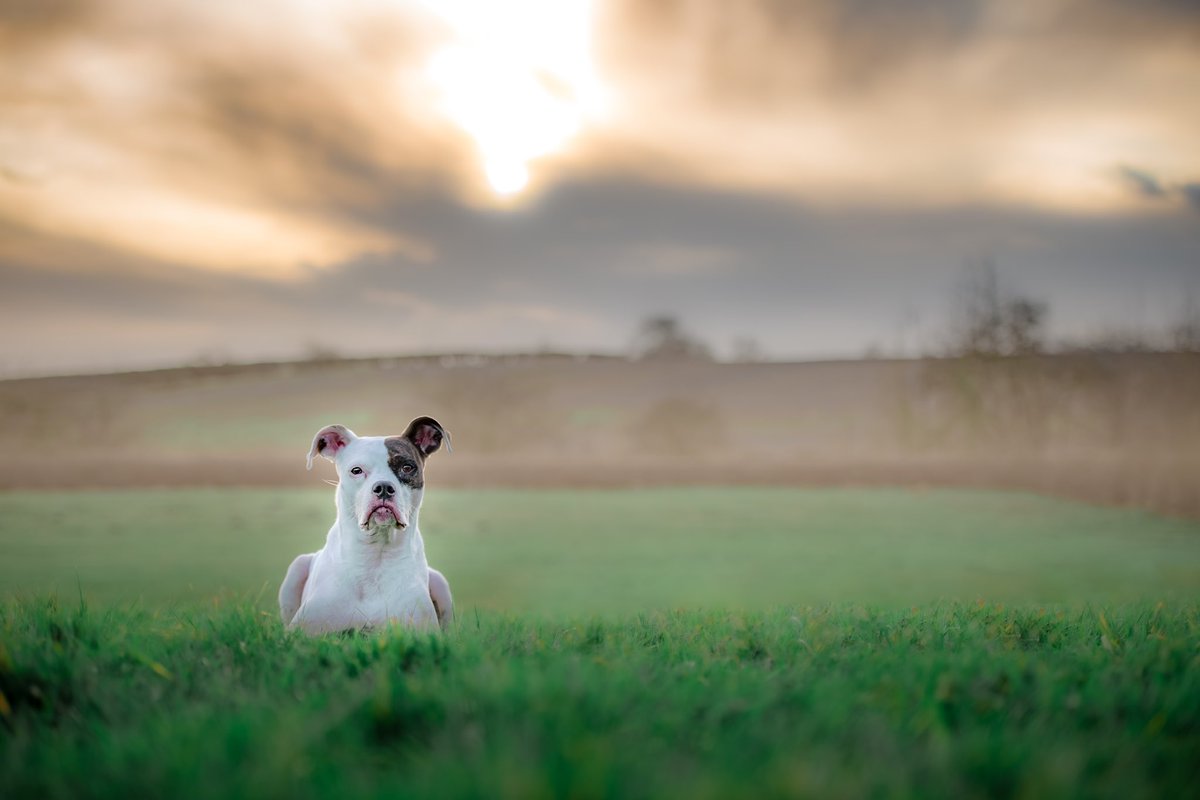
(384,490)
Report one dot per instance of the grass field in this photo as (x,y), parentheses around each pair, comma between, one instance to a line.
(954,701)
(690,642)
(616,552)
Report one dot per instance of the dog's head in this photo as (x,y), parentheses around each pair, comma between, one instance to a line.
(381,479)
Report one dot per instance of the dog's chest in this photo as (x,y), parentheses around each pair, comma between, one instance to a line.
(340,599)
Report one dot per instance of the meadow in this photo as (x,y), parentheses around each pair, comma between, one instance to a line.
(694,642)
(616,551)
(959,700)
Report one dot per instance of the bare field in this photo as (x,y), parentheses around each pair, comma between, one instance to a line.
(1116,429)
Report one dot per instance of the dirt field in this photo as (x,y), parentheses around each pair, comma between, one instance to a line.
(1116,429)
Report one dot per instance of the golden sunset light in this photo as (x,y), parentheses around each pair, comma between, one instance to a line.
(518,78)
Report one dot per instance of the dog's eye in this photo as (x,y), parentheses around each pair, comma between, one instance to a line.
(407,468)
(356,470)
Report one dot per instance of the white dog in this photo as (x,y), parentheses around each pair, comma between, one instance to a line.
(372,569)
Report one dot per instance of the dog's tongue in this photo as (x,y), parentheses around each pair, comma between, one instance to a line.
(382,514)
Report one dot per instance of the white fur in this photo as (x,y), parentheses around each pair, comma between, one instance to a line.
(372,570)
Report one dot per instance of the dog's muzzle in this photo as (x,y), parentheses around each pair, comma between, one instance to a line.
(382,514)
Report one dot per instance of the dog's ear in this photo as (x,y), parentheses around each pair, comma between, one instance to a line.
(426,433)
(328,441)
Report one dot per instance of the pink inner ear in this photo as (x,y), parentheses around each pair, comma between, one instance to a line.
(329,442)
(426,438)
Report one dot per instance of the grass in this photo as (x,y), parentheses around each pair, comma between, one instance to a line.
(697,643)
(954,700)
(618,552)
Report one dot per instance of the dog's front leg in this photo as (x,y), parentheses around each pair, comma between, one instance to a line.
(439,593)
(292,589)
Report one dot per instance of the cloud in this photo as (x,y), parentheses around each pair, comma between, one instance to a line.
(680,260)
(934,103)
(261,137)
(191,176)
(1148,185)
(37,22)
(806,282)
(1143,182)
(1191,191)
(762,51)
(205,135)
(772,51)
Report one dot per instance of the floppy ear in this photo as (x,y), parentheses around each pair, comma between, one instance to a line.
(328,441)
(426,433)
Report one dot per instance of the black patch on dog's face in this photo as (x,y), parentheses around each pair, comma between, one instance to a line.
(406,461)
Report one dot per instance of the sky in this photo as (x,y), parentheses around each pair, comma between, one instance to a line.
(186,181)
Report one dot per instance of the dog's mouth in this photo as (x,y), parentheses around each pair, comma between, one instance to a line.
(382,514)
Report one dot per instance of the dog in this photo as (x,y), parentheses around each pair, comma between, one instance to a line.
(372,570)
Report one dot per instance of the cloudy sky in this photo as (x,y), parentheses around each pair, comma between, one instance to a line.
(186,179)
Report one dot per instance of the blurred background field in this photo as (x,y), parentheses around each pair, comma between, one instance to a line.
(1111,428)
(605,484)
(565,553)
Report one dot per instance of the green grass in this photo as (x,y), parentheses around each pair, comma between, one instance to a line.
(959,700)
(618,552)
(695,643)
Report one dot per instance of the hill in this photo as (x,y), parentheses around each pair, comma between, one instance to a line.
(1117,428)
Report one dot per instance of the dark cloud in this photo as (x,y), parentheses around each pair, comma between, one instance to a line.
(1146,184)
(1142,182)
(1130,20)
(779,51)
(315,125)
(871,37)
(578,269)
(32,23)
(305,138)
(771,51)
(1191,191)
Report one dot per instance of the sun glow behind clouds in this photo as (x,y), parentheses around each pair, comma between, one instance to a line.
(518,78)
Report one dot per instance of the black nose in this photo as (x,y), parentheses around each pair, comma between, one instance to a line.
(383,490)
